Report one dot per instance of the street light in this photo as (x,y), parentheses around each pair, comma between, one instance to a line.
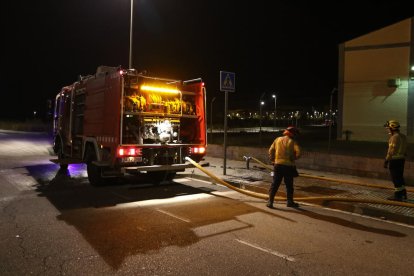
(211,118)
(130,35)
(274,96)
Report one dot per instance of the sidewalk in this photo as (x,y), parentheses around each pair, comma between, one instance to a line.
(317,184)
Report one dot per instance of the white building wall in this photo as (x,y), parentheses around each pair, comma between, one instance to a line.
(370,62)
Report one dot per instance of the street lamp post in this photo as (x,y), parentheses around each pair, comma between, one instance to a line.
(211,119)
(260,121)
(260,116)
(130,34)
(274,96)
(261,102)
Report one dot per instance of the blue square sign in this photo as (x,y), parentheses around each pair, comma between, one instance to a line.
(227,81)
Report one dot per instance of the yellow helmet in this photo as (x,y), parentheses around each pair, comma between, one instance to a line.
(392,124)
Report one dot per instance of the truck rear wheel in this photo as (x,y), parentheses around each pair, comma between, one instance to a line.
(94,174)
(94,171)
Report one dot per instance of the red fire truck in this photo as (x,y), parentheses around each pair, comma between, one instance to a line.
(120,121)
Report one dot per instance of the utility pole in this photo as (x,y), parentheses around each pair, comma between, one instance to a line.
(130,34)
(274,96)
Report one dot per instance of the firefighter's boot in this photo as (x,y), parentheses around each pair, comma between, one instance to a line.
(272,193)
(399,195)
(292,204)
(404,194)
(270,201)
(289,197)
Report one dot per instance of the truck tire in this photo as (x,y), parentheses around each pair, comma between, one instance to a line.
(58,149)
(94,172)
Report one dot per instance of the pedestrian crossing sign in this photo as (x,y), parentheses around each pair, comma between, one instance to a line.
(227,81)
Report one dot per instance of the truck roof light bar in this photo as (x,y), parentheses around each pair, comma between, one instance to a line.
(160,89)
(192,81)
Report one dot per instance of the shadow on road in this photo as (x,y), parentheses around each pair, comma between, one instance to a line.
(123,220)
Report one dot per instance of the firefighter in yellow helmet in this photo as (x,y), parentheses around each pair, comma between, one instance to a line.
(395,159)
(283,152)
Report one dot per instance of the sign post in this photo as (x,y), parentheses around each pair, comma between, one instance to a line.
(227,84)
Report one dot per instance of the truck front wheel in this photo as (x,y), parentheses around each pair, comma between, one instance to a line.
(58,149)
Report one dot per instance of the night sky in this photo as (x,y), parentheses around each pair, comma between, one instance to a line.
(287,47)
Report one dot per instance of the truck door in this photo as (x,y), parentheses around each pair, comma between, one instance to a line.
(61,118)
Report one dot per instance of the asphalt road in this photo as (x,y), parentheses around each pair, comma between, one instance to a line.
(55,223)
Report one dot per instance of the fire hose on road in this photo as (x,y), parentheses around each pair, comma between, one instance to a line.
(303,199)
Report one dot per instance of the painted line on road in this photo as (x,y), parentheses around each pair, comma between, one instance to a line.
(164,201)
(172,215)
(200,180)
(280,255)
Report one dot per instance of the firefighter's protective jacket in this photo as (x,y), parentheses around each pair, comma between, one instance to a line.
(397,146)
(284,151)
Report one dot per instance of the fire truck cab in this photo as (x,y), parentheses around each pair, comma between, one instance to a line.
(120,121)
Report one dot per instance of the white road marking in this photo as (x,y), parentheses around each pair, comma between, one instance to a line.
(213,229)
(199,180)
(280,255)
(174,216)
(164,201)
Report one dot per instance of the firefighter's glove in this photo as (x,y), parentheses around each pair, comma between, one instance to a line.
(386,164)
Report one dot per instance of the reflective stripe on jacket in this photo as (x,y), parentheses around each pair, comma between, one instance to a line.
(284,150)
(397,146)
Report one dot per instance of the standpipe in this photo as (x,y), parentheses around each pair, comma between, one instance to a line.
(277,198)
